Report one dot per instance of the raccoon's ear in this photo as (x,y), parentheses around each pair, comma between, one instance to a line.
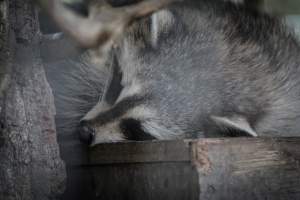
(161,23)
(236,123)
(147,32)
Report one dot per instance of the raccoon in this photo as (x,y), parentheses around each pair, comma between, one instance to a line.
(207,68)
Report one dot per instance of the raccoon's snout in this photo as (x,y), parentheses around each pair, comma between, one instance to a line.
(86,133)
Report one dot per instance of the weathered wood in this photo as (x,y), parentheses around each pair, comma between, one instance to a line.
(30,166)
(206,169)
(138,152)
(151,181)
(248,168)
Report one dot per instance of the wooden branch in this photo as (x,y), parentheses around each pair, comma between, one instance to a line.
(235,168)
(104,23)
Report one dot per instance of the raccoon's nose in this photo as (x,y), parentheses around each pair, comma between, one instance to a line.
(86,133)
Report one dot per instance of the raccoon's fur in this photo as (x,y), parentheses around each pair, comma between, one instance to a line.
(198,68)
(77,86)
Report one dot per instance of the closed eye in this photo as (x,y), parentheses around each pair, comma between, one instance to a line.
(132,130)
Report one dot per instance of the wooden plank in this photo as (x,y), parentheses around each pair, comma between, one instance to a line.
(206,169)
(248,168)
(140,152)
(151,181)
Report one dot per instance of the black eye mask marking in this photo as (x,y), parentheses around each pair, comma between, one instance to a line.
(132,130)
(118,109)
(115,87)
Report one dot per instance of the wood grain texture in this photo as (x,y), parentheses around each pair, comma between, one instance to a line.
(206,169)
(30,166)
(140,152)
(248,168)
(151,181)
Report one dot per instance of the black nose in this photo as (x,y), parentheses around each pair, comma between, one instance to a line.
(86,133)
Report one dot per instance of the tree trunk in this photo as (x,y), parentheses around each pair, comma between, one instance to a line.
(30,166)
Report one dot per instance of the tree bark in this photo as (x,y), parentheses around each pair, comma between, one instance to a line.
(30,165)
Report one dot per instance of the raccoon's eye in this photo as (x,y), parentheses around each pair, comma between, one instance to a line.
(132,130)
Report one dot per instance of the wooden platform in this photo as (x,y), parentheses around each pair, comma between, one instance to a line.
(207,169)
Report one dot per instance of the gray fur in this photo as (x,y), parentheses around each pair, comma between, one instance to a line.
(206,60)
(77,86)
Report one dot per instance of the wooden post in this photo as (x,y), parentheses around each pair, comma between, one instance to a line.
(207,169)
(30,166)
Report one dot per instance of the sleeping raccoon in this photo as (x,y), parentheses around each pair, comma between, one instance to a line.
(205,68)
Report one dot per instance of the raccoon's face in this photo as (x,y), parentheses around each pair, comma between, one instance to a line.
(129,117)
(126,112)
